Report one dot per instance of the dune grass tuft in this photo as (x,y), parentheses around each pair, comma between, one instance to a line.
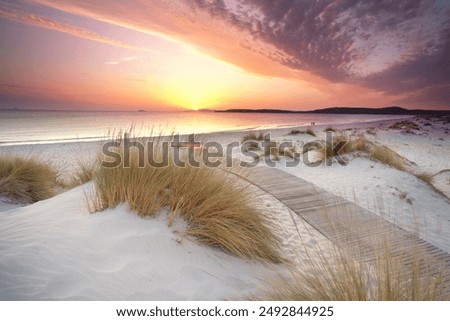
(339,277)
(406,125)
(251,145)
(84,173)
(252,136)
(426,177)
(218,212)
(344,144)
(349,145)
(272,150)
(387,156)
(308,131)
(290,152)
(26,179)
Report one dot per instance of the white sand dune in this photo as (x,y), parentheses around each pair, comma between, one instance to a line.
(56,250)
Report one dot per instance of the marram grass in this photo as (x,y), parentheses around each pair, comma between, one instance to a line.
(218,212)
(26,179)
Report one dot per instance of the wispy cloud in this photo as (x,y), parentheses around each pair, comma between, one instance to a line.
(187,24)
(125,59)
(44,22)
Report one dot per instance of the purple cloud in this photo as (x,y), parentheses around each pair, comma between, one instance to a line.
(398,47)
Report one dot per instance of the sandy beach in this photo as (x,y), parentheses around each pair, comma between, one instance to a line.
(56,250)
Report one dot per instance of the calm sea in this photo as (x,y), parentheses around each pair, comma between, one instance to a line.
(34,127)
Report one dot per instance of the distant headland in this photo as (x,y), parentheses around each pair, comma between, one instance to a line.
(393,110)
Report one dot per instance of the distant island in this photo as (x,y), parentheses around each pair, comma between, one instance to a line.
(393,110)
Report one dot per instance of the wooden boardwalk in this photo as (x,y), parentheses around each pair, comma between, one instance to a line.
(354,229)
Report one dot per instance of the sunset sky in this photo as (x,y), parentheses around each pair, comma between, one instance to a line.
(217,54)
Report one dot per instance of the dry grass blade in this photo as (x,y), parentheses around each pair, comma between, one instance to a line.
(218,212)
(26,178)
(308,131)
(387,156)
(250,145)
(426,177)
(343,144)
(252,136)
(272,150)
(406,124)
(83,173)
(290,152)
(339,277)
(323,278)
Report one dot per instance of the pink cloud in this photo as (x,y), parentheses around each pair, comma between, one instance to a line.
(43,22)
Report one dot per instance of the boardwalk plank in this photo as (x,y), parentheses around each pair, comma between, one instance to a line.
(351,227)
